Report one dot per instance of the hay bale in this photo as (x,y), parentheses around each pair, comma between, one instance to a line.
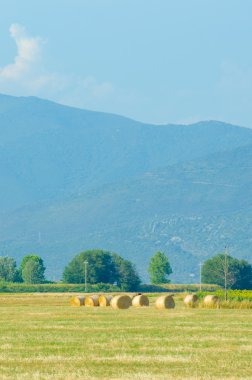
(165,302)
(211,300)
(92,301)
(121,302)
(104,300)
(191,300)
(140,300)
(77,301)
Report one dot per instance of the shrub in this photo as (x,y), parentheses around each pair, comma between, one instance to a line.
(177,288)
(55,288)
(233,295)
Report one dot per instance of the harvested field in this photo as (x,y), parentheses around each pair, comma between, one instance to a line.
(42,337)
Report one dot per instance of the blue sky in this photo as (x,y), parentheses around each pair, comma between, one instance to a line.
(158,61)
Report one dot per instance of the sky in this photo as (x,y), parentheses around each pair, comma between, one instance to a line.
(157,61)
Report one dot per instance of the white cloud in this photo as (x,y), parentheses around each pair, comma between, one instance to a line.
(28,54)
(27,75)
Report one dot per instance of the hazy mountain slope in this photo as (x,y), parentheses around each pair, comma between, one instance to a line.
(48,151)
(190,210)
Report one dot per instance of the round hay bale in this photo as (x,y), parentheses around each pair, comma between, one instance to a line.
(211,300)
(121,302)
(92,301)
(140,300)
(191,300)
(104,300)
(77,301)
(165,302)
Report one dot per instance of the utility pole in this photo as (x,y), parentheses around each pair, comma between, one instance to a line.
(200,264)
(225,272)
(86,264)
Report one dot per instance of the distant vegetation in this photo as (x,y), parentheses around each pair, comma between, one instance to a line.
(108,272)
(227,271)
(159,269)
(234,299)
(103,267)
(31,270)
(8,270)
(178,288)
(233,295)
(7,287)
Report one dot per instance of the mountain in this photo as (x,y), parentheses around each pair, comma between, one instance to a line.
(48,151)
(190,210)
(74,179)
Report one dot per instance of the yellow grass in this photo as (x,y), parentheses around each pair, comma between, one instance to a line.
(42,337)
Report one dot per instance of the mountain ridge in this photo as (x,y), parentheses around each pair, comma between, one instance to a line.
(76,179)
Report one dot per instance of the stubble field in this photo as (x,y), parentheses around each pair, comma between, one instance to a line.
(42,337)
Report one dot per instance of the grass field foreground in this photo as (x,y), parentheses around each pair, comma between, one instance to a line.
(42,337)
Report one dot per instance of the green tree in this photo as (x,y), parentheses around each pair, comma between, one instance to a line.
(8,270)
(32,269)
(101,268)
(159,268)
(127,277)
(244,278)
(228,272)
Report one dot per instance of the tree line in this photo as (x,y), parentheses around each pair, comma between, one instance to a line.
(104,267)
(110,268)
(31,270)
(228,272)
